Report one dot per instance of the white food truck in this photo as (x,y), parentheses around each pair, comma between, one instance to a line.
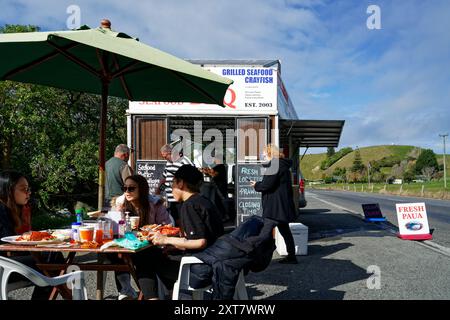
(257,111)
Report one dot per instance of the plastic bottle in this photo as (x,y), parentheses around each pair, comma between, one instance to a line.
(79,213)
(122,227)
(127,222)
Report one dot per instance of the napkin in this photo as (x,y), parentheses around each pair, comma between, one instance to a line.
(130,241)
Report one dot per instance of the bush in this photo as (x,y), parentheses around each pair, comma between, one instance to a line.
(329,180)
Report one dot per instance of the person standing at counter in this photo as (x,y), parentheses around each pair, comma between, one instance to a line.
(277,197)
(174,162)
(117,170)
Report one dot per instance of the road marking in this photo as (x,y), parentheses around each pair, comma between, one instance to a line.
(335,205)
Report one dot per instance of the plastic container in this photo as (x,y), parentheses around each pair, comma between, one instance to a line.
(76,231)
(300,234)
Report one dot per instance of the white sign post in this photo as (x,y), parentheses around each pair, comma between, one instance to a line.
(413,221)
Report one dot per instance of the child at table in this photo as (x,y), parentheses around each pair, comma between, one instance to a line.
(15,193)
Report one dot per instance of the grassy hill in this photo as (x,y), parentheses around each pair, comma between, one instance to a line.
(310,164)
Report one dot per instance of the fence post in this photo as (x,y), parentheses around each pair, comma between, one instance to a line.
(401,189)
(372,187)
(354,186)
(421,192)
(385,187)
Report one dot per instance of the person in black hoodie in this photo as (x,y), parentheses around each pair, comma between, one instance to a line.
(277,197)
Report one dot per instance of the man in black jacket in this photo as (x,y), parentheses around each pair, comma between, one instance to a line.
(249,247)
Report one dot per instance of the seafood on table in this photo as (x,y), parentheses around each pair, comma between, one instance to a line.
(150,229)
(36,236)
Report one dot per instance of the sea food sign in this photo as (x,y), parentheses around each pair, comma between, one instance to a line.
(254,91)
(412,218)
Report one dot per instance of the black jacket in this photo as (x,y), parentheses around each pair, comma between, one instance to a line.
(249,247)
(276,189)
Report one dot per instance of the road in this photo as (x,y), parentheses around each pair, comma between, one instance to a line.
(438,211)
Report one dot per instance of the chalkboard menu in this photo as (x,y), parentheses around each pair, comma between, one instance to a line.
(372,210)
(152,170)
(248,201)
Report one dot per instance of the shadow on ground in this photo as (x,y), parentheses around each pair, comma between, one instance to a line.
(323,223)
(313,278)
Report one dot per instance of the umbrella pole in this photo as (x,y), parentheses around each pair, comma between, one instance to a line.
(102,147)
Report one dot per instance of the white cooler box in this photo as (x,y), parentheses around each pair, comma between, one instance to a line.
(300,233)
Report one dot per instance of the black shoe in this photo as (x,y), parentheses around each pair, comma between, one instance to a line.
(289,260)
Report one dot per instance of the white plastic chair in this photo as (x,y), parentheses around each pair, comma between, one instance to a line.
(240,292)
(75,279)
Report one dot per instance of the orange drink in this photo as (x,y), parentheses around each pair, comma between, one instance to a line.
(99,235)
(86,234)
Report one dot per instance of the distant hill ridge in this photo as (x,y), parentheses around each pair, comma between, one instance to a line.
(310,164)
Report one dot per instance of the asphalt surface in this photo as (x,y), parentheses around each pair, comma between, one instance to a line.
(348,259)
(438,211)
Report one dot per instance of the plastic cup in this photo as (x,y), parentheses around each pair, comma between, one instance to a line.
(108,234)
(99,232)
(86,234)
(134,222)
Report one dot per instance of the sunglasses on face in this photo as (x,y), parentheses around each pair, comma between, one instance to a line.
(128,189)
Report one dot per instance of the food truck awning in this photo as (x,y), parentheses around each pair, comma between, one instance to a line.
(312,133)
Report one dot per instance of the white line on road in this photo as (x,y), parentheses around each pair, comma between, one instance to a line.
(335,205)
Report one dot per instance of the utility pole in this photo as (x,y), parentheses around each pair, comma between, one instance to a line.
(445,169)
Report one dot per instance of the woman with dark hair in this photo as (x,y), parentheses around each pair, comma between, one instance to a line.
(150,210)
(14,195)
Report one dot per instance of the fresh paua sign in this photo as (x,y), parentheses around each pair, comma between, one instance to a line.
(248,201)
(413,221)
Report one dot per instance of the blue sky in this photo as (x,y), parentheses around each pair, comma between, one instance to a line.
(391,86)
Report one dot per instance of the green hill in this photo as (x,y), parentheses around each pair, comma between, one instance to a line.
(310,164)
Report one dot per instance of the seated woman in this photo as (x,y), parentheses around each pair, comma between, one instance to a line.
(15,219)
(150,210)
(200,223)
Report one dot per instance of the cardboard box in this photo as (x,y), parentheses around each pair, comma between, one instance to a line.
(300,233)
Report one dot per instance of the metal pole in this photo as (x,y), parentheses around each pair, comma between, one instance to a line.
(445,169)
(102,146)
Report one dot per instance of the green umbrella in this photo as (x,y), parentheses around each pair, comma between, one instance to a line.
(104,62)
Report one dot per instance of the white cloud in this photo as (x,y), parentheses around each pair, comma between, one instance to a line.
(332,65)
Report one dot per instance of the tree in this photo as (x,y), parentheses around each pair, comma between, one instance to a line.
(358,165)
(339,174)
(409,176)
(427,158)
(428,172)
(52,136)
(330,152)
